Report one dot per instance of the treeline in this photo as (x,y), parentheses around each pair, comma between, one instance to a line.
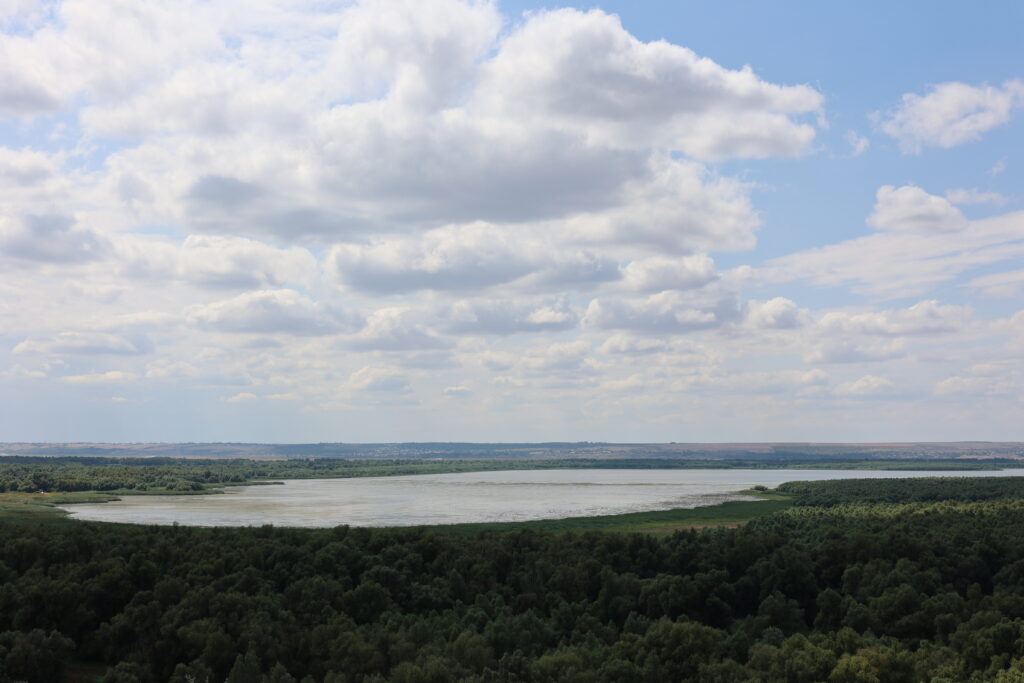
(31,474)
(848,592)
(918,490)
(47,474)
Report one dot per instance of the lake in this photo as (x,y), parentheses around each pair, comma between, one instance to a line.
(497,496)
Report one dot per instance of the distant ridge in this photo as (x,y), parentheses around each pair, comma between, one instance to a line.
(556,449)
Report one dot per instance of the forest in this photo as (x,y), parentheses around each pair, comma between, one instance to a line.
(906,580)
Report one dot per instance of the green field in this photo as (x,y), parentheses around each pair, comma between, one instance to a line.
(658,521)
(40,506)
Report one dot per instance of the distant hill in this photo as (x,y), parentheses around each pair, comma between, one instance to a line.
(586,449)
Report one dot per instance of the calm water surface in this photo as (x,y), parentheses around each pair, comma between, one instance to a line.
(504,496)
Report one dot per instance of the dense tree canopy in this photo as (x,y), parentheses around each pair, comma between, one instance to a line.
(922,490)
(844,592)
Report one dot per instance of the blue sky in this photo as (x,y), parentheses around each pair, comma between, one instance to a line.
(445,220)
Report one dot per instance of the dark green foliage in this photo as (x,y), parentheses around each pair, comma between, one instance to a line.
(839,592)
(917,490)
(36,656)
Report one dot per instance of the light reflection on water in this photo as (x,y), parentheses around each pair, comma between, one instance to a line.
(502,496)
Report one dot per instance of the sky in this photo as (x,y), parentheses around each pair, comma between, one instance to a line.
(447,220)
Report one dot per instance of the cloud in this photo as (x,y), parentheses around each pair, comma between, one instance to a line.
(632,385)
(222,130)
(987,379)
(847,351)
(975,196)
(494,173)
(235,262)
(1006,284)
(85,343)
(567,358)
(509,316)
(897,264)
(100,51)
(799,382)
(564,364)
(21,371)
(22,11)
(778,313)
(911,209)
(858,143)
(583,71)
(923,318)
(24,168)
(658,273)
(109,377)
(217,203)
(207,100)
(668,312)
(288,396)
(214,262)
(211,370)
(206,69)
(421,58)
(171,369)
(267,312)
(330,202)
(868,385)
(951,114)
(378,379)
(963,385)
(463,257)
(49,239)
(623,344)
(391,329)
(677,207)
(24,76)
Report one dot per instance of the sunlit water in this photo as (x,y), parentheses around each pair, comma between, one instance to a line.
(504,496)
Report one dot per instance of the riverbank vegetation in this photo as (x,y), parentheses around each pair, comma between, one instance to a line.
(177,476)
(836,587)
(731,513)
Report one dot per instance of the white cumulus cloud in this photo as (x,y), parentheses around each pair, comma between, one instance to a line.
(667,312)
(584,71)
(659,273)
(923,318)
(911,209)
(952,114)
(393,329)
(779,313)
(509,316)
(269,311)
